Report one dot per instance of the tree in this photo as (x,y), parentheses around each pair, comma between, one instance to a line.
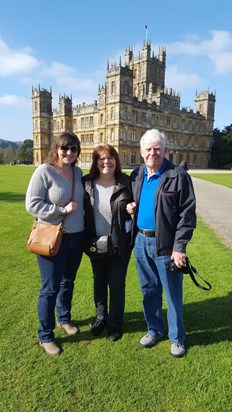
(25,152)
(1,156)
(10,155)
(222,149)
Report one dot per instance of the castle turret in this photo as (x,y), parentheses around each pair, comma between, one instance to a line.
(62,119)
(205,105)
(129,56)
(41,117)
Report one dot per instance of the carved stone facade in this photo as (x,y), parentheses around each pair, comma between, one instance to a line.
(133,100)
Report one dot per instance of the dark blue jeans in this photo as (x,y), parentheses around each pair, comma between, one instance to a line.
(58,274)
(110,272)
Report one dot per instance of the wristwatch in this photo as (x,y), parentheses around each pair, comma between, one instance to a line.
(63,211)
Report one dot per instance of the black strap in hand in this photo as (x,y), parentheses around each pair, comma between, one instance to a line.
(192,271)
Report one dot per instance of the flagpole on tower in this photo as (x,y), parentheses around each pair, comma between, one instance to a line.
(146,32)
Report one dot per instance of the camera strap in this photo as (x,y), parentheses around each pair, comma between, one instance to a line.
(192,272)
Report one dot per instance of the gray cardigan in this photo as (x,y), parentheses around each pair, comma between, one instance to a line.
(48,190)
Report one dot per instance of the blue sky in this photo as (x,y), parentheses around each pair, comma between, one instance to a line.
(66,46)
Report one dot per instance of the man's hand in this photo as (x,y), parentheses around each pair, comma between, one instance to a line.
(179,259)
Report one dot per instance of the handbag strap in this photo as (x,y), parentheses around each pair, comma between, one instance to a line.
(73,183)
(192,271)
(72,193)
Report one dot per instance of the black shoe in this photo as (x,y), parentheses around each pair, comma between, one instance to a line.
(98,327)
(114,335)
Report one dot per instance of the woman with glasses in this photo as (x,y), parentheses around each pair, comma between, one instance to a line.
(49,199)
(107,192)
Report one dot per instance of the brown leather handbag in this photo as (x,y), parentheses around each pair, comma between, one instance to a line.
(44,238)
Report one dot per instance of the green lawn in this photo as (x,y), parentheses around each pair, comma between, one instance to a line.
(94,374)
(224,179)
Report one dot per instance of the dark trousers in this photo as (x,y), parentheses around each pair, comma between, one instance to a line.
(110,274)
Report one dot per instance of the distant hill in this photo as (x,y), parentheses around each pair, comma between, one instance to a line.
(7,143)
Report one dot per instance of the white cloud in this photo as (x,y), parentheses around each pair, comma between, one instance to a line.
(221,52)
(179,80)
(13,100)
(14,62)
(66,77)
(75,84)
(218,50)
(56,70)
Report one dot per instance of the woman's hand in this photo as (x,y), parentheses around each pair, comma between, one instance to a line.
(130,208)
(71,207)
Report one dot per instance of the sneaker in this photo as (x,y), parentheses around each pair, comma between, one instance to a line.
(69,328)
(148,341)
(98,327)
(50,348)
(114,335)
(177,350)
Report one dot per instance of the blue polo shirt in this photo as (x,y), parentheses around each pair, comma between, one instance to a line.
(146,215)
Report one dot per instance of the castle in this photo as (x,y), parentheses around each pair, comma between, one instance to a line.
(133,100)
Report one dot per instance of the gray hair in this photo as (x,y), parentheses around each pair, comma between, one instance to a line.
(153,135)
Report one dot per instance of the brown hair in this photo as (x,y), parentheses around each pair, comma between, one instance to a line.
(109,151)
(64,139)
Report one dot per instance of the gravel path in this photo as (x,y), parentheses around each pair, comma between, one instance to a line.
(214,206)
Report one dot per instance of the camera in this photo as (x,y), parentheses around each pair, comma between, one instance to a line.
(174,268)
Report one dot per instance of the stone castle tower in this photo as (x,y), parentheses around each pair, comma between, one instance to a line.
(133,100)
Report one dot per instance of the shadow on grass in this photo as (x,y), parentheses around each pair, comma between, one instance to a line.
(209,321)
(206,322)
(12,197)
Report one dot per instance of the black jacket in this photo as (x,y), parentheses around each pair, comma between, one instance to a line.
(122,195)
(175,208)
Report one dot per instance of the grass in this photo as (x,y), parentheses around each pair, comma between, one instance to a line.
(94,374)
(219,178)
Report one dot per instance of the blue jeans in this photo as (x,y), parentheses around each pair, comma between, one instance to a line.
(110,272)
(154,276)
(58,274)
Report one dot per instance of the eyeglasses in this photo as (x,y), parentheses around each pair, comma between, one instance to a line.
(73,149)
